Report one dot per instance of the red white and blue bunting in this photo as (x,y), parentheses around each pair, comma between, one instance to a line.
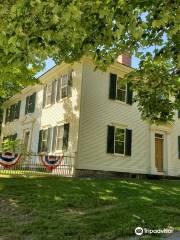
(8,159)
(51,161)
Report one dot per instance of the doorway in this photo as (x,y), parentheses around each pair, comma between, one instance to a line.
(159,151)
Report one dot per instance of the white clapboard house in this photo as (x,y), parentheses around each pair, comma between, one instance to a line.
(90,113)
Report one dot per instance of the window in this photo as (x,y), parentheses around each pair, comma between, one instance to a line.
(59,138)
(64,86)
(44,140)
(13,112)
(119,141)
(30,103)
(48,94)
(121,90)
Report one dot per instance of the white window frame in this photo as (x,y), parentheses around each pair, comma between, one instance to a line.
(43,140)
(124,90)
(48,94)
(29,103)
(57,137)
(115,153)
(64,86)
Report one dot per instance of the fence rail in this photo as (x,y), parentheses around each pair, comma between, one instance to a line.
(34,165)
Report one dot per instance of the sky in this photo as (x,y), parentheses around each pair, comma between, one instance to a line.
(50,63)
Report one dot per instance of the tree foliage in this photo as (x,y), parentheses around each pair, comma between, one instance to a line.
(33,30)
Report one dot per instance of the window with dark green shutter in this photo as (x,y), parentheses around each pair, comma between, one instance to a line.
(120,91)
(30,103)
(60,137)
(44,140)
(179,147)
(119,140)
(13,112)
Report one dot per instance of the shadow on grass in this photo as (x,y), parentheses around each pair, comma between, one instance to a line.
(58,208)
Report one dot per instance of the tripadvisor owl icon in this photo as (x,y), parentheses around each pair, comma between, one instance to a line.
(139,231)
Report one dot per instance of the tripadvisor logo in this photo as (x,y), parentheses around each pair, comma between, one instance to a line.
(139,231)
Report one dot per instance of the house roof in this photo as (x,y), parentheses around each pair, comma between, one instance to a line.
(44,75)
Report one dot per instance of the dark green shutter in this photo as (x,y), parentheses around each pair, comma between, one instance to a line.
(129,94)
(65,136)
(54,139)
(58,95)
(18,109)
(128,142)
(33,99)
(44,96)
(112,86)
(70,83)
(27,104)
(7,115)
(110,139)
(40,141)
(11,116)
(179,114)
(53,93)
(179,147)
(49,139)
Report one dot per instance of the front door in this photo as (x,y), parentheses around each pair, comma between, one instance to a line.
(159,149)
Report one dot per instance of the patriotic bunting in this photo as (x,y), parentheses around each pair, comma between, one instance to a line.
(8,159)
(51,161)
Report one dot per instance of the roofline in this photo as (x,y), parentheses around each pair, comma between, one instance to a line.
(43,74)
(47,71)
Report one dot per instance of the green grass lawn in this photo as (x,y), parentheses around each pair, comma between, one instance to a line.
(58,208)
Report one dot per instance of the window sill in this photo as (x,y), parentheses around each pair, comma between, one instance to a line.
(29,114)
(47,106)
(63,99)
(121,102)
(119,154)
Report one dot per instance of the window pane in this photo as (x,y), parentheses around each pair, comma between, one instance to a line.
(48,94)
(119,140)
(64,92)
(65,80)
(119,134)
(121,84)
(121,90)
(119,147)
(59,139)
(121,95)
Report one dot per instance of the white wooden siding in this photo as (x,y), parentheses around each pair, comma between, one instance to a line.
(98,111)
